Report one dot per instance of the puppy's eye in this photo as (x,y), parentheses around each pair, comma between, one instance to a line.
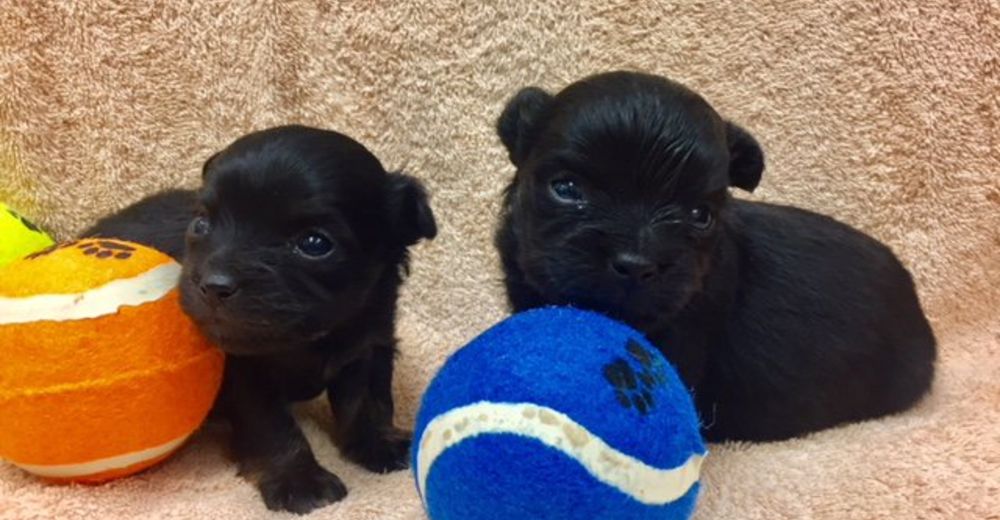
(701,217)
(566,191)
(314,244)
(200,226)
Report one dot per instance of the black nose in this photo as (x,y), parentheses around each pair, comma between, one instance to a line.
(634,267)
(218,286)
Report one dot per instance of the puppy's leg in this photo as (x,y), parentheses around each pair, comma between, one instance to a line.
(270,447)
(361,397)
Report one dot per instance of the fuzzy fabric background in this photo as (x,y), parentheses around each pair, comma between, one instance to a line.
(881,113)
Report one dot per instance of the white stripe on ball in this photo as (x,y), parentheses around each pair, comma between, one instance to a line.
(97,466)
(644,483)
(100,301)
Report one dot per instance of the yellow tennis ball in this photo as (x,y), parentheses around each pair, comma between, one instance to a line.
(18,236)
(101,373)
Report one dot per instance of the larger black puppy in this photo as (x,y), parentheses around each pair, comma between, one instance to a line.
(296,247)
(781,320)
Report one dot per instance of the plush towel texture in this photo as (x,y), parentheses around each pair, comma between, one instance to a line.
(881,113)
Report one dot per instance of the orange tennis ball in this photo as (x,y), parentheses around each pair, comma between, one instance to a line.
(101,373)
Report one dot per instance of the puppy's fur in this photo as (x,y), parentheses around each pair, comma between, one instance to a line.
(296,246)
(781,320)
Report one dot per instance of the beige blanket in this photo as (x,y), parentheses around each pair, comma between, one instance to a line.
(881,113)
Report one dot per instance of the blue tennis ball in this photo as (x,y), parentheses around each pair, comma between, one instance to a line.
(557,414)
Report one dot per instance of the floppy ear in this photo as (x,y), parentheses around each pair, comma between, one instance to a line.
(516,125)
(746,158)
(208,164)
(409,210)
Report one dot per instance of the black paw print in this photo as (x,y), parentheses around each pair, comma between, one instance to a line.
(27,223)
(634,385)
(105,249)
(102,249)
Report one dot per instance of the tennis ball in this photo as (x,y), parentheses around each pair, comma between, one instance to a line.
(18,236)
(101,373)
(558,414)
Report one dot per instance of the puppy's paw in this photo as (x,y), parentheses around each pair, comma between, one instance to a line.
(301,489)
(384,452)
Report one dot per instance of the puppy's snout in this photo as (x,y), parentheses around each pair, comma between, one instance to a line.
(217,287)
(631,266)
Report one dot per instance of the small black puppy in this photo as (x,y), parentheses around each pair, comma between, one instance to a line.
(782,321)
(296,246)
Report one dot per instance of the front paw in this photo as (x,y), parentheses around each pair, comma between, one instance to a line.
(301,489)
(383,452)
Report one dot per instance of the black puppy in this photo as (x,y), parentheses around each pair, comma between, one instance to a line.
(782,321)
(296,246)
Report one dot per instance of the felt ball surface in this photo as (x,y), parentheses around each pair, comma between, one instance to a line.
(558,414)
(18,236)
(101,373)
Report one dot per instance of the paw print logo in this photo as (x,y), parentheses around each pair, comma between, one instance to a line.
(105,249)
(25,222)
(101,249)
(635,378)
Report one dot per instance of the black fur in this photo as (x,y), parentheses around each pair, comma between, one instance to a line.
(294,326)
(782,321)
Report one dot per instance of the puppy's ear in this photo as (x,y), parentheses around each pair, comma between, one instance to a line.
(746,158)
(516,126)
(409,210)
(208,164)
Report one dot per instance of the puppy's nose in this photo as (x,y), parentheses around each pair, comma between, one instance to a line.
(633,267)
(218,286)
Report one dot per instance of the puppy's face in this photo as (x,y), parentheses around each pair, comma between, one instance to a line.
(620,193)
(297,225)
